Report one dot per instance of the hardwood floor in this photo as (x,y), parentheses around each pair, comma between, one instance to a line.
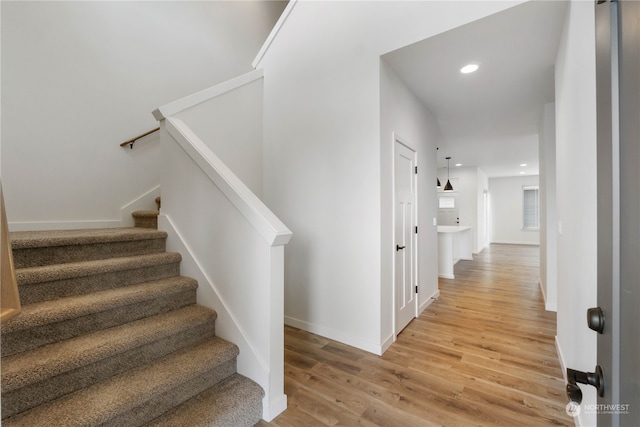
(483,354)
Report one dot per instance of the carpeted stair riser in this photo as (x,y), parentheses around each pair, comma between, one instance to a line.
(139,395)
(65,248)
(158,405)
(43,323)
(146,219)
(44,283)
(98,356)
(236,402)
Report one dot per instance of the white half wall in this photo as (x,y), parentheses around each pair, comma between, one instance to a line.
(576,185)
(78,78)
(506,210)
(323,154)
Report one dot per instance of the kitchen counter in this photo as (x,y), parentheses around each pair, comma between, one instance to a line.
(454,244)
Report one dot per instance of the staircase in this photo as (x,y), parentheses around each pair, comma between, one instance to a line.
(147,219)
(110,334)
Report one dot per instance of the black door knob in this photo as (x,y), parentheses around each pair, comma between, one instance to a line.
(398,247)
(595,319)
(574,378)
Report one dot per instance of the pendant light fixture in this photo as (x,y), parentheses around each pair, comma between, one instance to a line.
(448,186)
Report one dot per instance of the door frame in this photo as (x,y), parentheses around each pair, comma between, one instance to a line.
(397,139)
(618,231)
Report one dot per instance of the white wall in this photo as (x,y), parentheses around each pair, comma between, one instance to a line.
(506,210)
(548,214)
(78,78)
(231,126)
(322,171)
(404,116)
(576,193)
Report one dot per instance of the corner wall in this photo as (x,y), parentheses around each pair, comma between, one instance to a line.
(322,154)
(403,115)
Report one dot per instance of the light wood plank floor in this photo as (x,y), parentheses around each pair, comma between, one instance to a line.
(483,354)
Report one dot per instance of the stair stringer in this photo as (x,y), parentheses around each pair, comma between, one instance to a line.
(249,362)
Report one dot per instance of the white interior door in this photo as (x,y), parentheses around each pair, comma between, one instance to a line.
(405,235)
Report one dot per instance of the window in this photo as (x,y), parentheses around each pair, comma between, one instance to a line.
(530,208)
(446,202)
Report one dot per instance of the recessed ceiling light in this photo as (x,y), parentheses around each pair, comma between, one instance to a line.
(458,164)
(523,164)
(469,68)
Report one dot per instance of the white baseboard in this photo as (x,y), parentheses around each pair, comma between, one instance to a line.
(544,294)
(387,343)
(277,406)
(62,225)
(447,276)
(146,201)
(563,367)
(505,242)
(335,335)
(429,300)
(479,251)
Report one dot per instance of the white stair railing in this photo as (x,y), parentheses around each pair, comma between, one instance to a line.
(230,241)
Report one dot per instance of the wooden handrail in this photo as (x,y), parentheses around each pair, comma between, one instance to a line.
(132,140)
(9,295)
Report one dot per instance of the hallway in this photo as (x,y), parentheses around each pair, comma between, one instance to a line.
(483,354)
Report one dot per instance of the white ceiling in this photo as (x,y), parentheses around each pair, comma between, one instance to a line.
(488,118)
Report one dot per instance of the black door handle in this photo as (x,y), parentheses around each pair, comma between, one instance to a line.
(595,319)
(574,377)
(398,247)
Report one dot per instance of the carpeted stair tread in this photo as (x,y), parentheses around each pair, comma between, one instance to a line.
(36,248)
(66,308)
(145,214)
(236,401)
(47,273)
(153,388)
(30,367)
(53,321)
(35,377)
(39,239)
(45,283)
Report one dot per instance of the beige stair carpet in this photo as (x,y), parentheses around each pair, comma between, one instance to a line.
(111,335)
